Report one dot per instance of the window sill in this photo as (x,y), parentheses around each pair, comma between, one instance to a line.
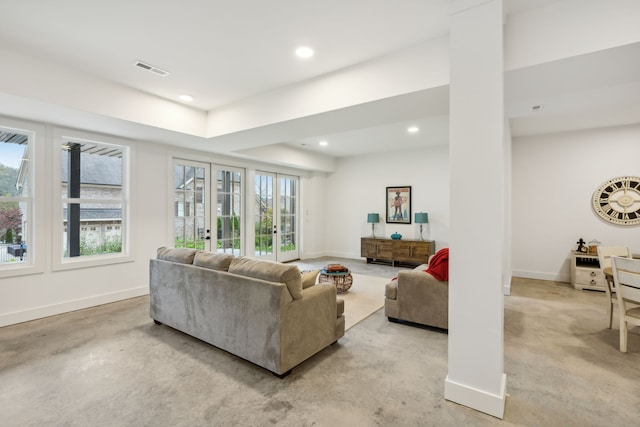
(19,270)
(91,261)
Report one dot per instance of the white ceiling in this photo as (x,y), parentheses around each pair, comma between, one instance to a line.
(240,49)
(236,49)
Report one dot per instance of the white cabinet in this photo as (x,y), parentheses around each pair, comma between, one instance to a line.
(585,272)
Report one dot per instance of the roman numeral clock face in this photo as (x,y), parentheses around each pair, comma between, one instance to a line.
(618,200)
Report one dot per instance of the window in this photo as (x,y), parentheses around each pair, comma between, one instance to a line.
(94,199)
(16,198)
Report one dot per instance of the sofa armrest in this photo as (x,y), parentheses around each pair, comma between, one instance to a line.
(309,324)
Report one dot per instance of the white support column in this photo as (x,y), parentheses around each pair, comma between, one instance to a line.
(477,173)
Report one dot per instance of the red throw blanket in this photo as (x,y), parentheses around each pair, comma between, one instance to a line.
(439,265)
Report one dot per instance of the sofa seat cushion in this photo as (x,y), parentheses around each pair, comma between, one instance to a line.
(212,260)
(180,255)
(270,271)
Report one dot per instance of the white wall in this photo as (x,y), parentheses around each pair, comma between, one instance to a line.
(554,177)
(359,186)
(313,216)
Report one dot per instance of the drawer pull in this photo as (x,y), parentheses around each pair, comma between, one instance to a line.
(593,274)
(593,282)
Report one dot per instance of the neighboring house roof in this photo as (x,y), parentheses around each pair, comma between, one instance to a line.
(96,169)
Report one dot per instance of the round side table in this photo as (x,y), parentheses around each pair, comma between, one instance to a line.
(341,279)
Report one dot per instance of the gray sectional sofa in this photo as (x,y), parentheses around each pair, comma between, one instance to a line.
(258,310)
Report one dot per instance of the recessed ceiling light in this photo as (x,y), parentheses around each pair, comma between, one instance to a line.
(186,98)
(413,129)
(323,143)
(536,108)
(304,52)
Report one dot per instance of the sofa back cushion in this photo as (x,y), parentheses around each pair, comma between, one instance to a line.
(181,255)
(269,271)
(213,260)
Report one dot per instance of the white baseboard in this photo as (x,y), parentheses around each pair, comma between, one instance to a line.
(344,255)
(479,400)
(506,286)
(311,255)
(67,306)
(554,277)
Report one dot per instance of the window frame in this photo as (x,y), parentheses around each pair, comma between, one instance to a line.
(36,237)
(59,261)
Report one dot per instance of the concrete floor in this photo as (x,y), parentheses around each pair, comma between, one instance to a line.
(111,366)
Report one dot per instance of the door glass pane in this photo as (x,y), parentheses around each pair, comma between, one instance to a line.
(287,214)
(264,215)
(229,211)
(189,206)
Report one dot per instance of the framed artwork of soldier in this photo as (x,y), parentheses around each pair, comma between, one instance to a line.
(398,201)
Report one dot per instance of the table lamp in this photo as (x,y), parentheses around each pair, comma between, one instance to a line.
(373,218)
(421,218)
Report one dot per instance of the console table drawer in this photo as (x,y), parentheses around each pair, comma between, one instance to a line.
(589,278)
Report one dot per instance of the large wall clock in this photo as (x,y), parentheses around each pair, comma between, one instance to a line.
(618,200)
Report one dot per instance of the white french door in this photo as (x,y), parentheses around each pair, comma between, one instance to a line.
(191,205)
(276,217)
(198,223)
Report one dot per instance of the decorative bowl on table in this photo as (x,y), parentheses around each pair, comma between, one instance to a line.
(396,236)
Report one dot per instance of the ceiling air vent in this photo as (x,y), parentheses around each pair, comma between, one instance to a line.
(151,68)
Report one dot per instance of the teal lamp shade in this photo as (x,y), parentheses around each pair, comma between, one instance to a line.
(373,219)
(422,218)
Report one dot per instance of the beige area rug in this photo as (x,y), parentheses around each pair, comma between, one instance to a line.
(365,297)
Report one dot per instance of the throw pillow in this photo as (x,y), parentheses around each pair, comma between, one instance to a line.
(212,260)
(309,278)
(271,271)
(181,255)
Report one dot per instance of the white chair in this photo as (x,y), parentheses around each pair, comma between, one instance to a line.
(604,257)
(626,277)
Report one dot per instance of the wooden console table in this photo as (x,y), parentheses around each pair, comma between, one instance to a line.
(389,251)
